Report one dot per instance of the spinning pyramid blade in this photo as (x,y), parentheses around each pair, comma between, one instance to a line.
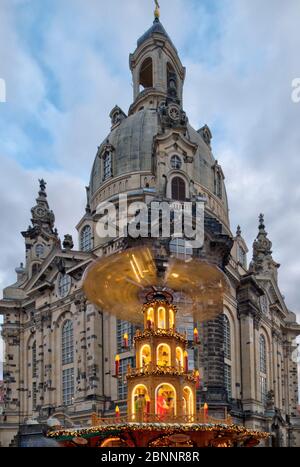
(119,284)
(200,287)
(114,283)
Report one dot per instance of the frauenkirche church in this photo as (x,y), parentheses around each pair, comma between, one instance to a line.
(61,350)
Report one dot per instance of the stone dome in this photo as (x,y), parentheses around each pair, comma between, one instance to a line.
(158,78)
(133,141)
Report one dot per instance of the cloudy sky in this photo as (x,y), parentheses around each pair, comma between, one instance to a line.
(65,64)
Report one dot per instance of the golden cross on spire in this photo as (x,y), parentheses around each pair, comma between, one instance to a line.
(156,11)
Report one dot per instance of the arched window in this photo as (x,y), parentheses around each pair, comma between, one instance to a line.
(161,321)
(178,189)
(263,368)
(150,318)
(146,74)
(242,256)
(86,238)
(218,184)
(67,356)
(262,354)
(67,347)
(107,165)
(172,81)
(227,356)
(163,355)
(227,337)
(171,319)
(188,401)
(138,402)
(179,358)
(145,356)
(64,285)
(165,400)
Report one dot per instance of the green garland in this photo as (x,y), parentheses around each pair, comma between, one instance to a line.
(170,428)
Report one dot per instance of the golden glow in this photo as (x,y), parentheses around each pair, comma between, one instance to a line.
(109,442)
(165,400)
(150,314)
(185,354)
(117,410)
(138,267)
(139,389)
(121,275)
(135,271)
(161,317)
(145,355)
(188,400)
(179,357)
(163,355)
(117,358)
(171,318)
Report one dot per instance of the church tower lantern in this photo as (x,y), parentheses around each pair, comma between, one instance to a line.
(157,71)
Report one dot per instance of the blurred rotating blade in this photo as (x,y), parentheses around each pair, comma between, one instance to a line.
(114,283)
(199,288)
(118,284)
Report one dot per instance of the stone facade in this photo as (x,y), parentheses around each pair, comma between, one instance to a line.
(60,349)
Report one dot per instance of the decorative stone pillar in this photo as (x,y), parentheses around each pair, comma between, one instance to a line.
(249,313)
(47,363)
(11,371)
(256,337)
(275,368)
(39,362)
(23,387)
(94,353)
(81,347)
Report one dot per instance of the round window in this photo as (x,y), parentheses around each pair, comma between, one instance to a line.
(176,162)
(64,285)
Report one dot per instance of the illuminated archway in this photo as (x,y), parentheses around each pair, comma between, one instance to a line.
(165,400)
(161,322)
(171,319)
(150,318)
(163,355)
(179,357)
(138,401)
(188,401)
(145,355)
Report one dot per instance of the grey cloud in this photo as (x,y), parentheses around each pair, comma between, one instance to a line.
(243,94)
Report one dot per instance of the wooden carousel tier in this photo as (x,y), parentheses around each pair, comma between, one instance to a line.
(159,434)
(160,333)
(119,283)
(160,371)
